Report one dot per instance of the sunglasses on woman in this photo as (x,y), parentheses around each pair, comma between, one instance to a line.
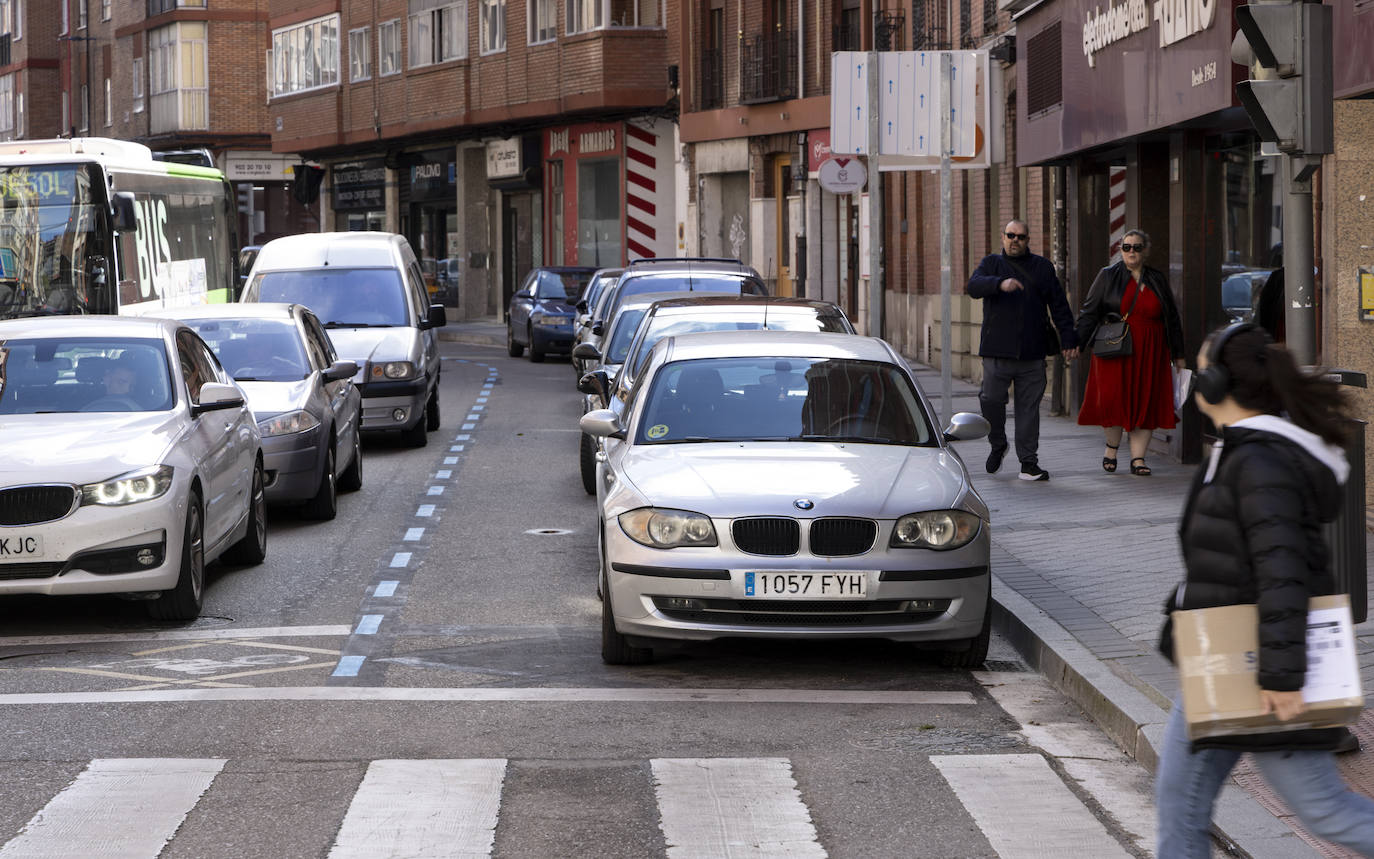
(1129,248)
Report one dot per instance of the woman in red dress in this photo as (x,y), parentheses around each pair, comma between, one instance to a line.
(1134,393)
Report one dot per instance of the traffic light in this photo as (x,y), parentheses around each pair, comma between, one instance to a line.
(1289,98)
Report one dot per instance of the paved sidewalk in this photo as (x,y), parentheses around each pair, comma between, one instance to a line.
(1082,565)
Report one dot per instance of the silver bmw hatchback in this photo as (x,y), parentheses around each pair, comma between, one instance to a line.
(781,484)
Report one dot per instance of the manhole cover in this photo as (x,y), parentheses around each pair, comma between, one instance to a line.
(549,532)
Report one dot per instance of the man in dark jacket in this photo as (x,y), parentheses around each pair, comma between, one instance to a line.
(1017,288)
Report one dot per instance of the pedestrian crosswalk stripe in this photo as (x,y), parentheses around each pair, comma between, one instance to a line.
(1019,830)
(736,807)
(117,807)
(421,808)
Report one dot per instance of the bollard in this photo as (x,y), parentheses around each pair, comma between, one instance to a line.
(1346,535)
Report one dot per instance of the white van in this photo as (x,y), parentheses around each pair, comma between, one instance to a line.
(368,291)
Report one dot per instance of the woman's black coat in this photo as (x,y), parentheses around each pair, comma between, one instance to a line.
(1106,293)
(1254,535)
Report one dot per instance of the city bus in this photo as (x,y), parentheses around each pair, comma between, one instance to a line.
(92,225)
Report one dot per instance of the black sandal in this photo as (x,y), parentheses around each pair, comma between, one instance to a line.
(1142,469)
(1109,462)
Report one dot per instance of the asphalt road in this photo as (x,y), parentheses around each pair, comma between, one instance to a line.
(448,617)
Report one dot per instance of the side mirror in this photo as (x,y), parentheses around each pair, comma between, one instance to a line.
(586,352)
(125,218)
(966,426)
(601,423)
(339,371)
(524,293)
(215,396)
(581,306)
(438,317)
(596,383)
(598,329)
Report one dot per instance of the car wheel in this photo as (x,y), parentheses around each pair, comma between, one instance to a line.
(415,436)
(513,349)
(325,504)
(432,410)
(615,649)
(252,549)
(352,478)
(536,354)
(976,653)
(183,601)
(587,460)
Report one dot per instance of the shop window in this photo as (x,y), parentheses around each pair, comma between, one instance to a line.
(493,19)
(1251,238)
(306,56)
(389,47)
(359,54)
(598,212)
(543,21)
(438,32)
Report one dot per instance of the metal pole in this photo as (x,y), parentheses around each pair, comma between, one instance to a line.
(875,205)
(946,237)
(1299,307)
(1058,407)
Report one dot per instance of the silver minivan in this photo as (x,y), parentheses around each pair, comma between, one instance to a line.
(368,291)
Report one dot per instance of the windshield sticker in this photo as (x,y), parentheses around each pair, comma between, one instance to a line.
(657,431)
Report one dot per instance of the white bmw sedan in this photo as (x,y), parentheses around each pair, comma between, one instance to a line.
(778,484)
(130,462)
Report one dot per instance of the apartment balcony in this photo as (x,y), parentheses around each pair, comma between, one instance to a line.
(179,110)
(712,92)
(768,67)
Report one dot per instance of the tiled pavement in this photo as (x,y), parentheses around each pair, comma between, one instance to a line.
(1082,565)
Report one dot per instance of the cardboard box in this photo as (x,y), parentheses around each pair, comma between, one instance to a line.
(1217,654)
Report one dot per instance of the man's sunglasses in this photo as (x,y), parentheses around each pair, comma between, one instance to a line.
(1131,249)
(1020,237)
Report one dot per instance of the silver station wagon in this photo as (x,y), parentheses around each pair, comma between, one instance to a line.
(783,484)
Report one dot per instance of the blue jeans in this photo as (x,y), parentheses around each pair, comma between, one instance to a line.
(1188,782)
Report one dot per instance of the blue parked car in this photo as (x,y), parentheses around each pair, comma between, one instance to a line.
(541,313)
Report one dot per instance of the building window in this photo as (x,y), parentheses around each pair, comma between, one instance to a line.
(157,7)
(138,84)
(66,109)
(438,32)
(543,26)
(10,18)
(7,123)
(306,56)
(62,32)
(493,19)
(82,9)
(556,211)
(109,106)
(177,75)
(359,54)
(19,115)
(85,108)
(104,10)
(389,47)
(584,15)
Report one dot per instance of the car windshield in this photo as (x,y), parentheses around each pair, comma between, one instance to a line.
(46,375)
(622,335)
(256,350)
(562,285)
(782,399)
(687,282)
(340,297)
(749,318)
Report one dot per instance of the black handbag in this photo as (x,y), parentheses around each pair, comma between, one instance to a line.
(1112,337)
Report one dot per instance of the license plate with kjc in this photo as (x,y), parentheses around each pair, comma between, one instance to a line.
(806,585)
(20,546)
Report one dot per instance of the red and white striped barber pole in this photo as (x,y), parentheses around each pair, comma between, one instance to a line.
(648,188)
(1117,193)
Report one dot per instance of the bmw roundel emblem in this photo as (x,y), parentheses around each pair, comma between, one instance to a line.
(803,504)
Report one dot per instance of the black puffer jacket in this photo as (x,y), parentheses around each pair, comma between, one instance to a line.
(1253,534)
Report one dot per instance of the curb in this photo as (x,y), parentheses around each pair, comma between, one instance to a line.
(1132,719)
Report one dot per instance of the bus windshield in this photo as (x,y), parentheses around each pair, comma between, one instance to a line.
(52,259)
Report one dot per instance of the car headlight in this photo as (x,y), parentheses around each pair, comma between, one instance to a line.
(394,370)
(936,529)
(144,484)
(286,424)
(667,529)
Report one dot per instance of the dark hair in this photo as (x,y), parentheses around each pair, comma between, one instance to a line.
(1265,377)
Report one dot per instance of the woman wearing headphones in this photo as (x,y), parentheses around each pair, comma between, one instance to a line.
(1251,532)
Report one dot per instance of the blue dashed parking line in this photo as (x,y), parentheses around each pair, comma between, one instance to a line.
(370,622)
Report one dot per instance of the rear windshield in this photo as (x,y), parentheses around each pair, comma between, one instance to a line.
(562,285)
(340,297)
(752,318)
(685,282)
(256,350)
(622,335)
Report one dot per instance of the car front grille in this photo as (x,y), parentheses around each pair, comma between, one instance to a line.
(833,537)
(801,612)
(766,535)
(31,505)
(9,572)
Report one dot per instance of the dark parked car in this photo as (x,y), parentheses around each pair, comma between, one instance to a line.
(541,313)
